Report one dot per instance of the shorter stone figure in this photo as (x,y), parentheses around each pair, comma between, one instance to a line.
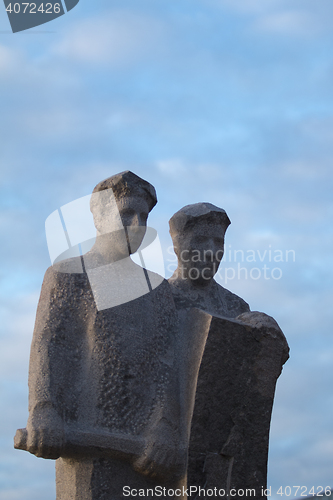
(198,233)
(242,359)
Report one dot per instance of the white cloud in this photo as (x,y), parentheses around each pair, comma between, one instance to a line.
(302,212)
(17,319)
(250,6)
(303,170)
(9,61)
(294,23)
(172,167)
(319,129)
(278,12)
(188,115)
(276,16)
(56,122)
(123,117)
(116,39)
(5,58)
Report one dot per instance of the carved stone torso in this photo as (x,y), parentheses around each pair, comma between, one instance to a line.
(104,370)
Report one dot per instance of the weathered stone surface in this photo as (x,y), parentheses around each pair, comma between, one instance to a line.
(120,360)
(104,479)
(242,360)
(235,392)
(104,391)
(103,370)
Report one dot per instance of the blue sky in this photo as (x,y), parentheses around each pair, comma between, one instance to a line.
(224,101)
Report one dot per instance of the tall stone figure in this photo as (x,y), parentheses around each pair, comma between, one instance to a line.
(243,357)
(105,398)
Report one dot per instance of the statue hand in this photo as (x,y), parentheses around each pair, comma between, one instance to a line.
(162,461)
(45,434)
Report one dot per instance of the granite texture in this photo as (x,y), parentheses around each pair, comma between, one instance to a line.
(135,381)
(242,360)
(104,391)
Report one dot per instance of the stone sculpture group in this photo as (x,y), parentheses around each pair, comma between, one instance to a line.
(142,386)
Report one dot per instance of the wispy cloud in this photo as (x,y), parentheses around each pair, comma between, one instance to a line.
(7,61)
(250,6)
(225,101)
(291,23)
(117,39)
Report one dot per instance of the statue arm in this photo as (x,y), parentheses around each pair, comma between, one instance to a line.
(49,366)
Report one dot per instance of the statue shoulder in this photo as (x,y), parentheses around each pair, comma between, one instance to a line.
(74,265)
(62,283)
(235,304)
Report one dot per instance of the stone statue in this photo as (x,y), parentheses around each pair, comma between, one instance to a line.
(242,359)
(120,360)
(104,393)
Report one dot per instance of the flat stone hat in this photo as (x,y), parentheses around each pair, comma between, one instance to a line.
(128,184)
(190,215)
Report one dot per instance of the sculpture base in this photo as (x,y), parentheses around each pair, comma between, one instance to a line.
(108,479)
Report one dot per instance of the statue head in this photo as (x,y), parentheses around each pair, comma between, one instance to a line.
(198,233)
(120,206)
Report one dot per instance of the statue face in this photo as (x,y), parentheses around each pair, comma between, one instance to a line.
(200,252)
(122,221)
(133,211)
